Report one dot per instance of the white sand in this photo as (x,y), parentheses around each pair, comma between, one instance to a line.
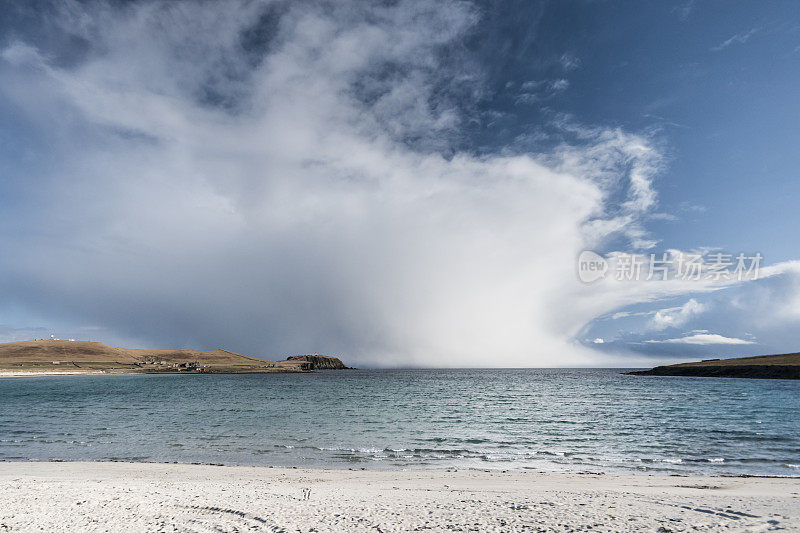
(40,373)
(154,497)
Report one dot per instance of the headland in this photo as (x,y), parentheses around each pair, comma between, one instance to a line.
(782,366)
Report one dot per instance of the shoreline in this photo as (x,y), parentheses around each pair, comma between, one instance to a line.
(341,467)
(33,373)
(157,496)
(47,373)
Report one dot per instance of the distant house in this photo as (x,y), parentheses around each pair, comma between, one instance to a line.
(189,365)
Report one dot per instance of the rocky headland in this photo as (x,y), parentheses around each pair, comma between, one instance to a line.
(319,362)
(782,366)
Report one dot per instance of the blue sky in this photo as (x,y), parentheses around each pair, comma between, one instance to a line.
(407,184)
(715,81)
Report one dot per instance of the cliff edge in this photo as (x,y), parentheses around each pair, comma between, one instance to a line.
(319,362)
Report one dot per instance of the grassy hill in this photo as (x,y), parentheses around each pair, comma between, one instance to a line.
(75,356)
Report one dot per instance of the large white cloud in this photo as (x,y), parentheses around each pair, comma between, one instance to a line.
(300,191)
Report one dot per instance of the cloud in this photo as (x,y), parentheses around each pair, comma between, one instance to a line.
(197,180)
(764,308)
(21,54)
(676,316)
(691,207)
(569,62)
(739,38)
(285,179)
(703,339)
(534,91)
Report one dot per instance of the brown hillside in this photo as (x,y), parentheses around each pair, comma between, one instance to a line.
(84,355)
(789,359)
(50,350)
(82,351)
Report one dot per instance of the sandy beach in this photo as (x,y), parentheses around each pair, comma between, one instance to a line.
(160,497)
(38,374)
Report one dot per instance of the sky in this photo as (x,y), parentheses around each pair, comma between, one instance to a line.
(404,183)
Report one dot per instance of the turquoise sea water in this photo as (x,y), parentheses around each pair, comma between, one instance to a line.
(536,419)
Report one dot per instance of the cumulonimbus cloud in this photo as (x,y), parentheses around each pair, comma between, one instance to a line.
(281,177)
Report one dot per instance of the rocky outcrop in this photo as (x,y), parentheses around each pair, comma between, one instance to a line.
(319,362)
(729,371)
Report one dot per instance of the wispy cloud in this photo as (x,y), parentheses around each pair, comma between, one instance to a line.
(703,339)
(739,38)
(534,91)
(570,62)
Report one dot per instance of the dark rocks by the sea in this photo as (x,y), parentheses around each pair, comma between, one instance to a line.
(725,371)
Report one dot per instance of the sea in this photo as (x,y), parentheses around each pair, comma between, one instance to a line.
(541,420)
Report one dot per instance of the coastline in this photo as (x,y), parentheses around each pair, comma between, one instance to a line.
(45,373)
(153,496)
(780,366)
(33,373)
(56,357)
